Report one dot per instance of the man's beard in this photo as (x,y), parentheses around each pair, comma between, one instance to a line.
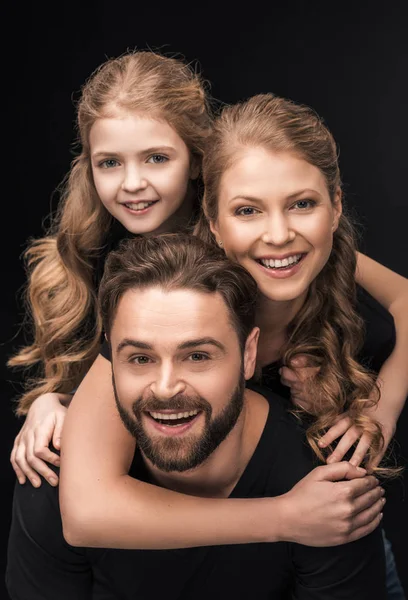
(181,453)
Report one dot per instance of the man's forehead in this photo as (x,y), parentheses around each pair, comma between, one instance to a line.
(179,312)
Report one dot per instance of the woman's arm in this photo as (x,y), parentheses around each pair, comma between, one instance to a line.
(101,505)
(391,290)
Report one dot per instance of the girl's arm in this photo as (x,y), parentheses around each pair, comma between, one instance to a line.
(101,505)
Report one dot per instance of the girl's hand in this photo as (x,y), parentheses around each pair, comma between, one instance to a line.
(31,452)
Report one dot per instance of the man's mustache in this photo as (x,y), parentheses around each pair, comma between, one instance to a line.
(181,403)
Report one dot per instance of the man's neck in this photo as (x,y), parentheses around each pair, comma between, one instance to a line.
(219,474)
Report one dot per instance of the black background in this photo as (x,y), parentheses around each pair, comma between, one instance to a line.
(350,63)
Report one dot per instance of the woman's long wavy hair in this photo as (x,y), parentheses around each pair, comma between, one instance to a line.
(327,329)
(60,294)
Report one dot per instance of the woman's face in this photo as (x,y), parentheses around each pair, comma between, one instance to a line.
(276,219)
(141,169)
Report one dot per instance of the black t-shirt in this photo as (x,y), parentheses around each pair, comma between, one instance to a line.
(42,566)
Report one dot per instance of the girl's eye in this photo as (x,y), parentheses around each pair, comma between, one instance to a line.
(109,163)
(246,211)
(198,357)
(157,159)
(140,360)
(304,204)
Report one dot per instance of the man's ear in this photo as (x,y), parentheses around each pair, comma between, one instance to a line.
(337,209)
(250,352)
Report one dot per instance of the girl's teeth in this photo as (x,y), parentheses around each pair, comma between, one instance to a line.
(138,205)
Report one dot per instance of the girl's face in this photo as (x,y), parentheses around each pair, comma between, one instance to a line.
(141,169)
(276,219)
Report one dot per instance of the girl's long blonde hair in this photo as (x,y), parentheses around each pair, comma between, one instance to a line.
(327,329)
(61,291)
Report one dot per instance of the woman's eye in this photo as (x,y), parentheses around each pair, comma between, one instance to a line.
(198,357)
(304,204)
(109,163)
(246,211)
(157,159)
(140,360)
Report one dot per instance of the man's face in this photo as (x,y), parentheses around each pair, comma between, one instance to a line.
(179,374)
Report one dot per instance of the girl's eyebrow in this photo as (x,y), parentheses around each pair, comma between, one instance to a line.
(154,149)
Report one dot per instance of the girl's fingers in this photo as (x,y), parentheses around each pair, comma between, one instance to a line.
(21,461)
(39,466)
(19,473)
(42,451)
(56,439)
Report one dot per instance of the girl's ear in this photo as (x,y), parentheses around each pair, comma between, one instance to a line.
(338,209)
(195,167)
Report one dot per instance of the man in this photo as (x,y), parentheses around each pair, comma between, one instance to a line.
(179,377)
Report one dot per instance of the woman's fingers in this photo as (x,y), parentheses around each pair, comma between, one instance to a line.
(345,443)
(361,450)
(338,429)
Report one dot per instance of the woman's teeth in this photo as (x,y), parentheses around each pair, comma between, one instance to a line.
(271,263)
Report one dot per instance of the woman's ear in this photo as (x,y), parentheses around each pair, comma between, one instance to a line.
(214,231)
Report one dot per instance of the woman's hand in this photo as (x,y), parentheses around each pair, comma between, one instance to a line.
(332,505)
(343,428)
(294,377)
(31,452)
(350,434)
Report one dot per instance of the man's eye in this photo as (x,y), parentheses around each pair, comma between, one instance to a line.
(246,211)
(157,159)
(140,360)
(198,357)
(108,163)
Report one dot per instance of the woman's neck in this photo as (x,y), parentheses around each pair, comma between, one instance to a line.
(273,319)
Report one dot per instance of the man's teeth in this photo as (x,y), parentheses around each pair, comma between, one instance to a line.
(138,205)
(170,417)
(270,263)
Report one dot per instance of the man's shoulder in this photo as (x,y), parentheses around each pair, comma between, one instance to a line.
(283,448)
(278,405)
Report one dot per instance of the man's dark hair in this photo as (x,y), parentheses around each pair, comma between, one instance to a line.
(178,261)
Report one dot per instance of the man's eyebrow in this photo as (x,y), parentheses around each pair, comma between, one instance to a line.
(139,345)
(134,343)
(201,342)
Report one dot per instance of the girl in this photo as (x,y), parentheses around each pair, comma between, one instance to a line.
(114,175)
